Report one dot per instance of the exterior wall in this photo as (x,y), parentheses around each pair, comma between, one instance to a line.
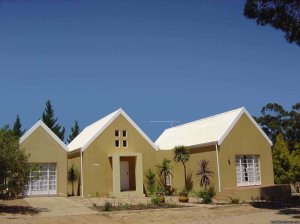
(42,148)
(98,179)
(74,159)
(196,154)
(244,139)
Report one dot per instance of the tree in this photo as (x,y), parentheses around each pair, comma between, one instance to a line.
(164,172)
(181,154)
(73,175)
(295,165)
(17,127)
(14,166)
(276,120)
(50,121)
(280,14)
(281,161)
(75,130)
(150,175)
(204,173)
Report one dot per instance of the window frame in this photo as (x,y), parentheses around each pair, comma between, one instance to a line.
(126,134)
(117,140)
(124,140)
(247,167)
(117,131)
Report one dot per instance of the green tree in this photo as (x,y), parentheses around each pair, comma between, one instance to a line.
(150,175)
(281,161)
(75,130)
(295,165)
(280,14)
(50,120)
(276,120)
(204,173)
(17,127)
(73,175)
(14,166)
(164,172)
(182,154)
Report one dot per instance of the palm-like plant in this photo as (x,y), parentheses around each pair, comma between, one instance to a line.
(73,175)
(204,173)
(164,171)
(181,154)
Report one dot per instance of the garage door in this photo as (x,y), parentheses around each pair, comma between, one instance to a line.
(42,180)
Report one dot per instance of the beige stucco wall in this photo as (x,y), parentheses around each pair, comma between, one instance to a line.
(98,178)
(244,139)
(74,159)
(42,148)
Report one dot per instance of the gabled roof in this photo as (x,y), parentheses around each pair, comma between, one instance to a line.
(91,132)
(47,129)
(207,131)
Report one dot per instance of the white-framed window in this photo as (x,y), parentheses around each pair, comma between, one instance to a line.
(125,143)
(169,180)
(117,133)
(247,170)
(124,134)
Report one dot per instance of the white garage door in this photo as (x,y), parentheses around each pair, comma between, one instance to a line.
(42,180)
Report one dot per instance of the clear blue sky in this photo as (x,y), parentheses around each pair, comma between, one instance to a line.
(157,59)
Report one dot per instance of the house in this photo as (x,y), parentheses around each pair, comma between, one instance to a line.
(49,156)
(238,151)
(113,154)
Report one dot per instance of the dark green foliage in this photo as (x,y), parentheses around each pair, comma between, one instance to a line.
(182,154)
(204,173)
(73,175)
(49,119)
(14,166)
(206,199)
(280,14)
(74,132)
(276,120)
(295,165)
(107,206)
(155,200)
(17,127)
(234,200)
(150,175)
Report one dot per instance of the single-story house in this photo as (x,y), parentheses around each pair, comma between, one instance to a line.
(113,154)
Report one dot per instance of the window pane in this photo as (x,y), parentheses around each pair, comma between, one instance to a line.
(117,143)
(124,143)
(124,133)
(117,133)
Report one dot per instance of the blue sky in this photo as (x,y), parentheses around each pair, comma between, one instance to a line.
(157,59)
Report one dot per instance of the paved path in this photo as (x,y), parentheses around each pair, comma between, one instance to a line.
(58,206)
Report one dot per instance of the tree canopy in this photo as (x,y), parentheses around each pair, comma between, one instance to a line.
(17,127)
(50,120)
(276,120)
(75,130)
(283,15)
(14,166)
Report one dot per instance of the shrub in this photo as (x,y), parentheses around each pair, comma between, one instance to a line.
(234,200)
(206,199)
(107,206)
(211,191)
(155,200)
(150,175)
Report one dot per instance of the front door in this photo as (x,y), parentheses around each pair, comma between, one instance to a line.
(124,175)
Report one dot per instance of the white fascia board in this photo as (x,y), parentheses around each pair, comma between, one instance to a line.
(220,141)
(47,129)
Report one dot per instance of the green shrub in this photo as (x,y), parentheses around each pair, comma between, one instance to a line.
(211,191)
(155,200)
(107,206)
(206,199)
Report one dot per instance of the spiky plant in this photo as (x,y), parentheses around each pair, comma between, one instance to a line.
(204,173)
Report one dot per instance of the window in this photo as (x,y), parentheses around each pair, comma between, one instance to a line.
(247,170)
(117,143)
(169,180)
(124,134)
(117,133)
(124,143)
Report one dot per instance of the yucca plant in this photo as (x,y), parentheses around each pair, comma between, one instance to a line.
(204,173)
(73,175)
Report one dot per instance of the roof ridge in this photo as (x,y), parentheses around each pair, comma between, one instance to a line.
(205,118)
(103,118)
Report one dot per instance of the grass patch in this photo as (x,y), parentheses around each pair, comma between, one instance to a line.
(18,209)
